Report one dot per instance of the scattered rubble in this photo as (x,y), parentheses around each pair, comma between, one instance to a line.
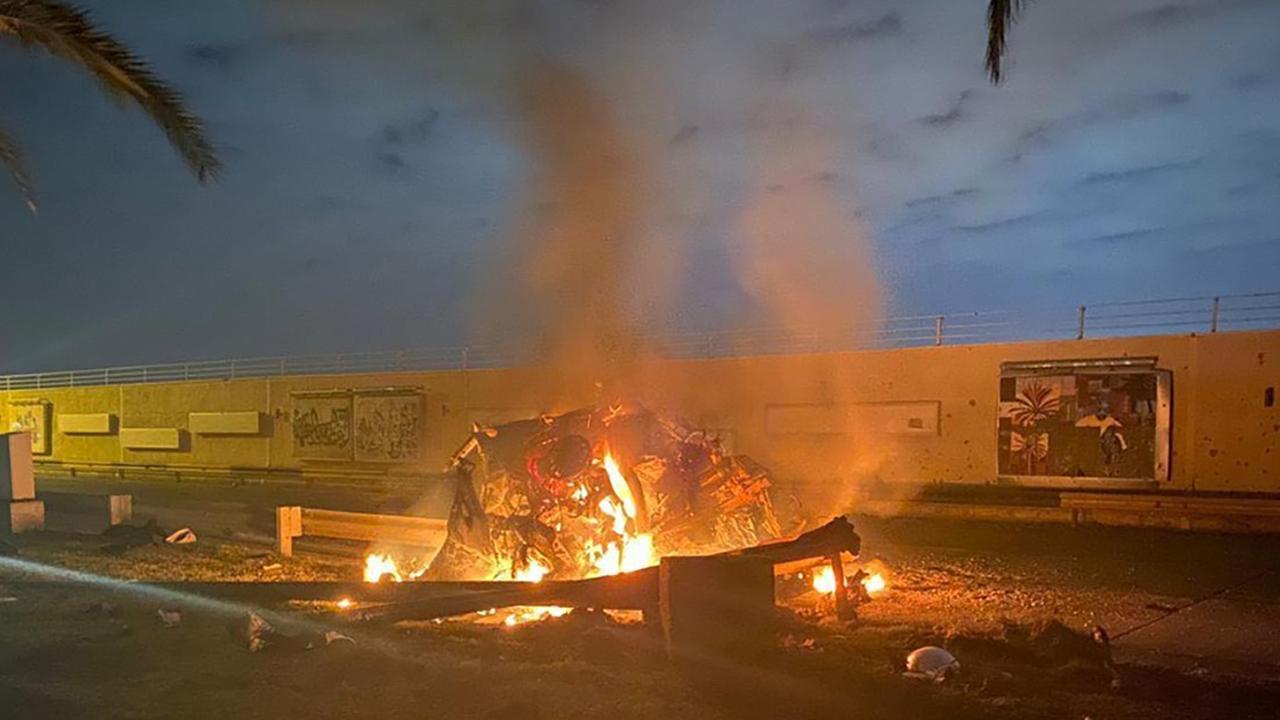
(258,635)
(169,618)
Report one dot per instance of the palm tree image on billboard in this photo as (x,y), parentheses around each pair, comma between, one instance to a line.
(1087,423)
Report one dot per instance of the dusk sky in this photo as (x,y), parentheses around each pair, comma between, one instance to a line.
(375,166)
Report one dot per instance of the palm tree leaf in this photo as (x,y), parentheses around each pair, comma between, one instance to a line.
(67,32)
(11,158)
(1001,14)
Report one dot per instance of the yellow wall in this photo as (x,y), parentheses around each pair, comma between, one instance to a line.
(1222,436)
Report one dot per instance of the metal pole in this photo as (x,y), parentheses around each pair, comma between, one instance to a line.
(466,380)
(1213,319)
(1080,329)
(937,331)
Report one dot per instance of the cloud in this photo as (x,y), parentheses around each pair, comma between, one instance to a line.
(1249,81)
(415,131)
(1112,110)
(1162,15)
(947,199)
(953,114)
(1138,173)
(1003,223)
(1121,236)
(217,56)
(887,25)
(1173,14)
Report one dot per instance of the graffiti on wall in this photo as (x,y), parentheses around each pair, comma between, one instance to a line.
(32,416)
(1079,424)
(388,426)
(382,425)
(322,426)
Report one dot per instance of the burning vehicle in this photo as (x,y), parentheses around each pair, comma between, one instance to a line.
(600,491)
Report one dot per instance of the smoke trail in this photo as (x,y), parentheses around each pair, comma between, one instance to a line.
(653,133)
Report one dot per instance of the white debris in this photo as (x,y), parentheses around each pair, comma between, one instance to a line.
(181,537)
(170,618)
(333,636)
(258,632)
(932,663)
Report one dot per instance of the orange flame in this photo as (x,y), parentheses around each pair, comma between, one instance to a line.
(874,584)
(521,615)
(533,572)
(824,581)
(635,551)
(378,566)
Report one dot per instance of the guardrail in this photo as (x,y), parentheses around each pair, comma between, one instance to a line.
(1137,317)
(293,521)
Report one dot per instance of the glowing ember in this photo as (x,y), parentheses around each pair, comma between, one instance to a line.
(521,615)
(824,580)
(345,603)
(874,584)
(377,566)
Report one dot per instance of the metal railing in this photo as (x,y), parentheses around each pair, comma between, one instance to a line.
(1137,317)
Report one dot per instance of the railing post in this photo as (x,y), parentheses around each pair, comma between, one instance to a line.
(1080,327)
(282,366)
(186,371)
(937,330)
(1213,318)
(144,373)
(233,369)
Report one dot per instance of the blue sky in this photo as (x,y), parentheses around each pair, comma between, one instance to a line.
(378,167)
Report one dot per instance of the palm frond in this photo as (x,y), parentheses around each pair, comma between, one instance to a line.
(1001,14)
(11,158)
(69,33)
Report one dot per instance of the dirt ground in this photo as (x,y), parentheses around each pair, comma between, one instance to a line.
(86,647)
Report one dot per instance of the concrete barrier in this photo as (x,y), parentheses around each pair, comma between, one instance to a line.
(85,512)
(20,511)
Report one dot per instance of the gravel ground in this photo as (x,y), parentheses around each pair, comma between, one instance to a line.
(72,650)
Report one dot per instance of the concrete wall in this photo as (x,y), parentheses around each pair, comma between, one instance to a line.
(1223,438)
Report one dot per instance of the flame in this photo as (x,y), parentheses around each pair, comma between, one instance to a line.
(345,603)
(635,550)
(874,584)
(824,580)
(378,566)
(533,572)
(618,483)
(521,615)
